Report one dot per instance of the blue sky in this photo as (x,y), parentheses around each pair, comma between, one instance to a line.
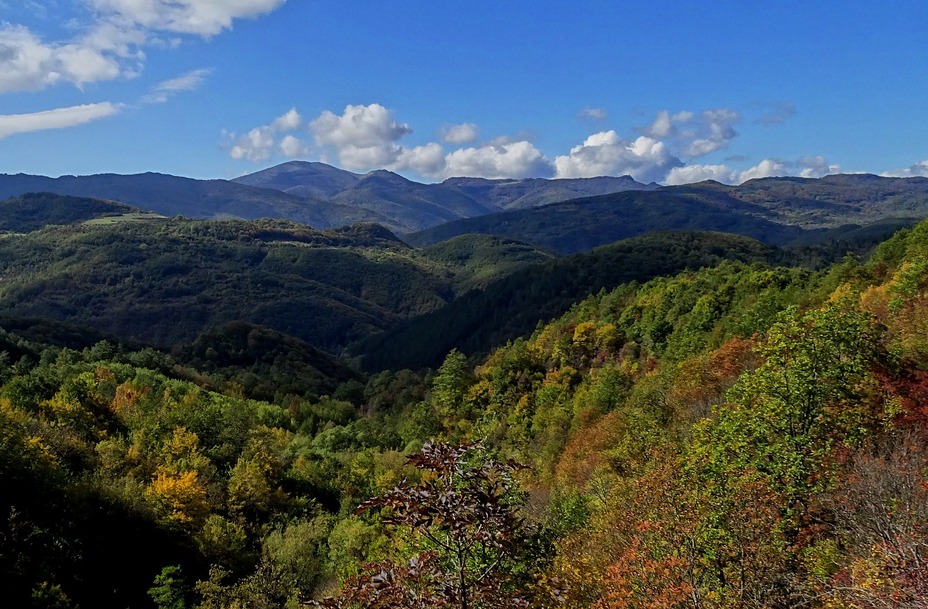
(664,91)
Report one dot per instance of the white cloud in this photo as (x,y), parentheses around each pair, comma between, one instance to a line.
(598,114)
(816,167)
(511,160)
(605,153)
(288,121)
(256,146)
(665,125)
(459,134)
(699,173)
(364,137)
(715,132)
(428,160)
(293,147)
(199,17)
(111,46)
(767,168)
(806,167)
(24,60)
(55,119)
(919,169)
(28,64)
(260,144)
(190,81)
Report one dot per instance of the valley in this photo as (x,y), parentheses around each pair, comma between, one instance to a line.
(671,376)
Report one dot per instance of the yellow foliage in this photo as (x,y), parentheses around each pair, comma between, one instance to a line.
(875,300)
(584,333)
(183,494)
(843,292)
(607,336)
(182,453)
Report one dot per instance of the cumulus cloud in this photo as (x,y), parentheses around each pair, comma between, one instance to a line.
(112,45)
(605,153)
(368,137)
(428,160)
(288,121)
(58,118)
(293,147)
(459,134)
(919,169)
(700,173)
(364,137)
(816,167)
(510,160)
(164,90)
(29,64)
(260,144)
(806,167)
(598,114)
(256,146)
(665,125)
(715,132)
(767,168)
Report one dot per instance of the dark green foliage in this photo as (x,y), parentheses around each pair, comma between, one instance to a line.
(266,364)
(168,590)
(169,282)
(476,260)
(176,196)
(738,435)
(582,224)
(512,306)
(33,211)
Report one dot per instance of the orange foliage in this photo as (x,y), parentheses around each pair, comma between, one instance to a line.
(584,453)
(701,381)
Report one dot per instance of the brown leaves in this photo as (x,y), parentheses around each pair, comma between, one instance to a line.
(462,516)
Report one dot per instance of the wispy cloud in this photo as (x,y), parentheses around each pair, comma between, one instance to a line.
(919,169)
(778,114)
(460,134)
(112,44)
(598,114)
(164,90)
(58,118)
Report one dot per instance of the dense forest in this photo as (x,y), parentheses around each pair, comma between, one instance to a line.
(730,425)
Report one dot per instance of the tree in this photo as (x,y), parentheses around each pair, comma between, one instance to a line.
(449,388)
(466,534)
(168,589)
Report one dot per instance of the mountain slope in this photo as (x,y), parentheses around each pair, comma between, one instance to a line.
(582,224)
(406,206)
(32,211)
(535,192)
(513,305)
(173,196)
(476,260)
(165,283)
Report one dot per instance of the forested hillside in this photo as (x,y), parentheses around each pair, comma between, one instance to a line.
(739,435)
(164,283)
(512,305)
(777,211)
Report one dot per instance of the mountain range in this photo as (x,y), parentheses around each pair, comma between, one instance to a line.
(320,195)
(563,215)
